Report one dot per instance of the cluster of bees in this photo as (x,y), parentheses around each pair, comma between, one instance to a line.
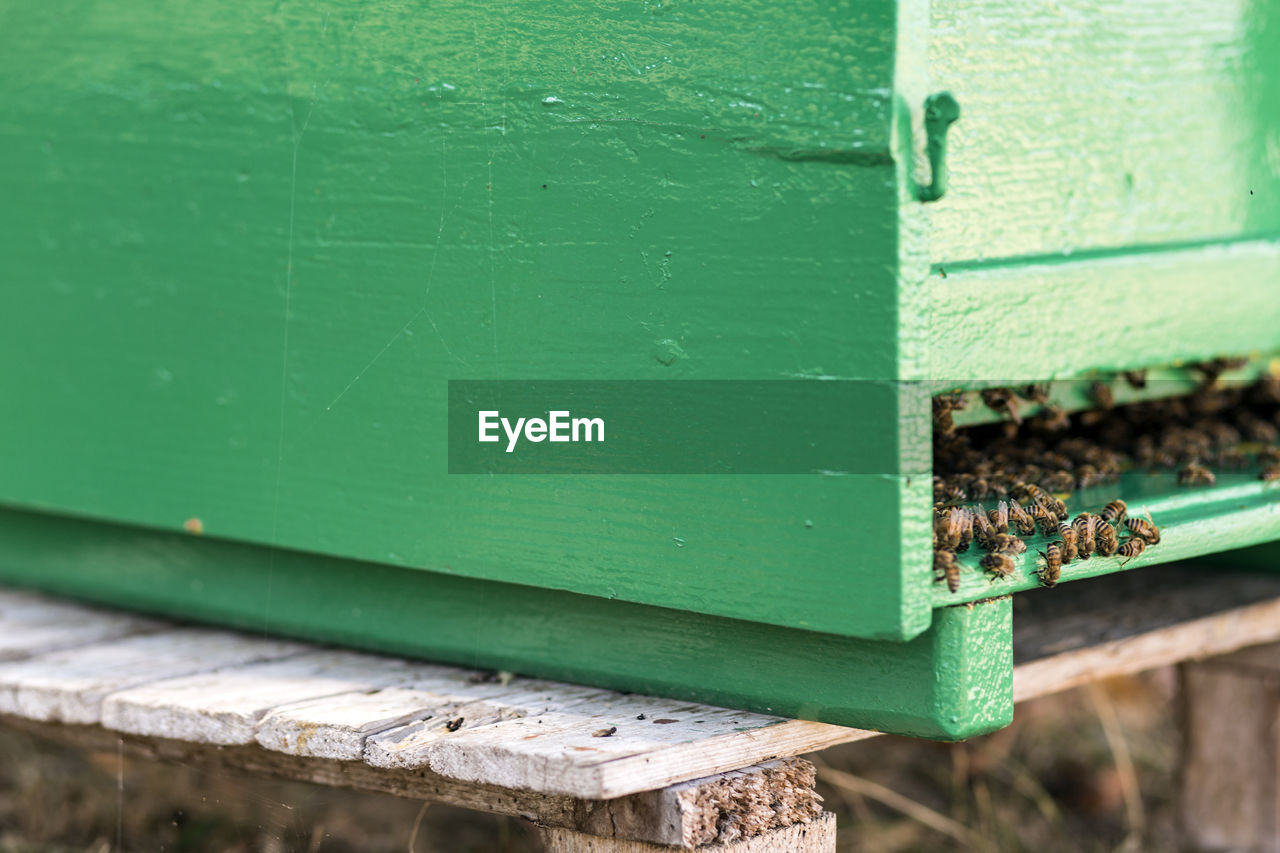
(955,528)
(1023,467)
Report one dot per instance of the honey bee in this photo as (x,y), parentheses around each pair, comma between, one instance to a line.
(983,532)
(1036,392)
(1211,370)
(1232,459)
(1024,491)
(1108,539)
(1007,543)
(1053,419)
(1060,481)
(1114,511)
(1056,506)
(946,532)
(1144,528)
(1022,519)
(1088,475)
(1256,429)
(1102,395)
(1003,401)
(1047,521)
(1052,569)
(964,529)
(998,563)
(1195,474)
(946,567)
(1271,472)
(1136,378)
(1083,523)
(999,517)
(1069,549)
(1131,548)
(943,406)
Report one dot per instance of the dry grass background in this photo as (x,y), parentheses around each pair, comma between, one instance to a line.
(1090,770)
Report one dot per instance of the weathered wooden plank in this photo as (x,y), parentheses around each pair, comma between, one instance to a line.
(1132,622)
(718,809)
(611,752)
(412,745)
(31,624)
(1230,781)
(71,685)
(339,726)
(225,706)
(686,810)
(816,836)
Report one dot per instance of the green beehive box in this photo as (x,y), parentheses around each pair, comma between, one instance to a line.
(248,245)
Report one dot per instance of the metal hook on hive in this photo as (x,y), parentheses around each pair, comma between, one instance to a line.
(940,111)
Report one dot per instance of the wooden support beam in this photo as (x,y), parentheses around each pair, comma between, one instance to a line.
(815,836)
(1230,786)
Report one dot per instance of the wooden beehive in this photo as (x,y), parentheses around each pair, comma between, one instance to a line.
(247,246)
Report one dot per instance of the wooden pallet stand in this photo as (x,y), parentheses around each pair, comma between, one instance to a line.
(604,771)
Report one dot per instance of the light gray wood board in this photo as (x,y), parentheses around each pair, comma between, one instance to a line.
(226,705)
(657,816)
(403,714)
(71,684)
(31,624)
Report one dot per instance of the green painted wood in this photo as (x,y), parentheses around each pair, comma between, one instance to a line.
(1091,125)
(954,681)
(1059,318)
(257,239)
(1238,511)
(1075,395)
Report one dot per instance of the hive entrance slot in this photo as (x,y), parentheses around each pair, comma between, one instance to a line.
(1203,466)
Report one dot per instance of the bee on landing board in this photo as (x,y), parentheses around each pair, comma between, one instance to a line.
(1101,394)
(1022,519)
(946,567)
(1003,401)
(1083,523)
(1144,528)
(998,563)
(999,517)
(1114,511)
(1131,548)
(1051,571)
(1108,539)
(1195,474)
(1068,546)
(943,406)
(1047,521)
(1007,543)
(983,531)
